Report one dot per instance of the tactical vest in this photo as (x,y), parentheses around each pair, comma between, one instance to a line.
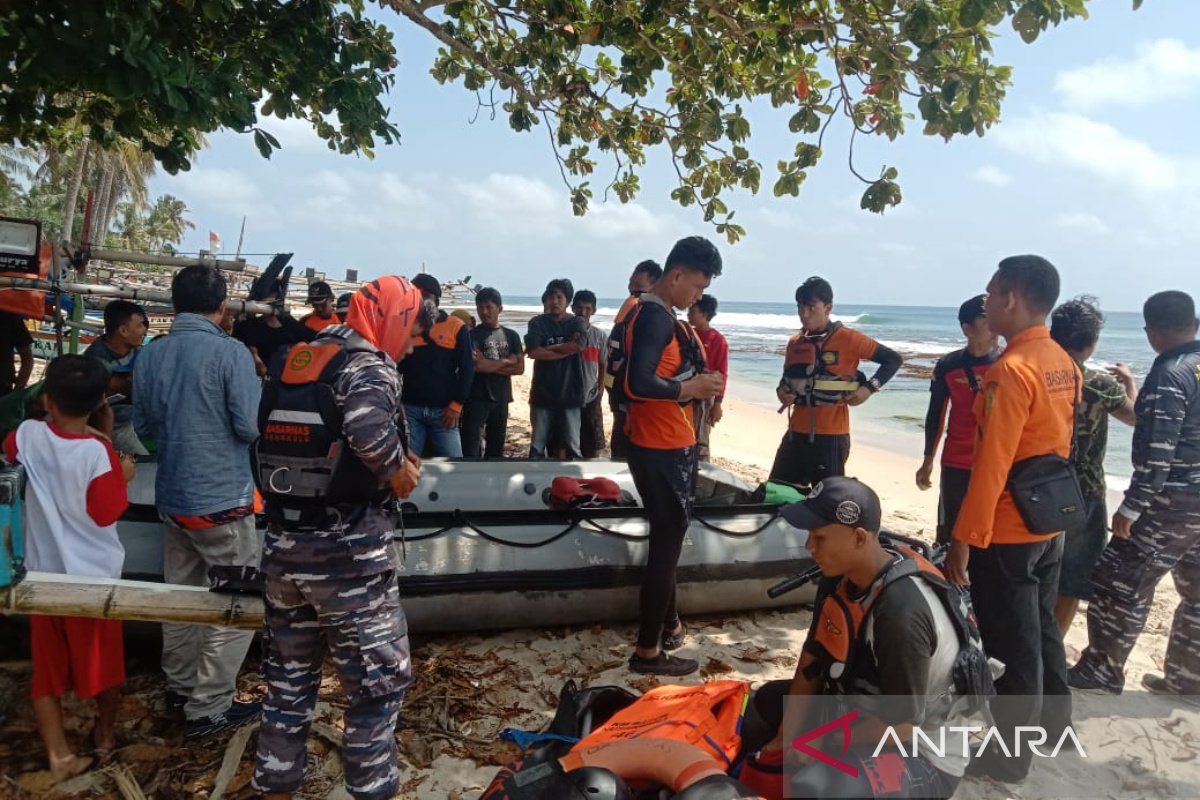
(302,462)
(805,371)
(691,352)
(840,638)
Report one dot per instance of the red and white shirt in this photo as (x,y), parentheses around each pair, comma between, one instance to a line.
(74,494)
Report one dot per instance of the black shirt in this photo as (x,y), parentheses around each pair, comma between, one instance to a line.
(559,383)
(495,344)
(258,334)
(13,336)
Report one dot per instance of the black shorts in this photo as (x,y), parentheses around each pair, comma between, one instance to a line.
(803,462)
(1082,547)
(954,485)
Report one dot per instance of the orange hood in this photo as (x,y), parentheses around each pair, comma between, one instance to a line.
(383,312)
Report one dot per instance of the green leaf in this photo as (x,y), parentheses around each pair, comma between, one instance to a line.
(1026,23)
(262,143)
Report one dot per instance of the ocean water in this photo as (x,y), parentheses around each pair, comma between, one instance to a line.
(894,418)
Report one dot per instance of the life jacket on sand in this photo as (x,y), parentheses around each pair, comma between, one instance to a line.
(652,761)
(840,638)
(302,462)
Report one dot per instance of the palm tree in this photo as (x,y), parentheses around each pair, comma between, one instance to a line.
(167,221)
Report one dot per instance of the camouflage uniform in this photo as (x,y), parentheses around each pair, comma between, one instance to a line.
(1164,500)
(333,587)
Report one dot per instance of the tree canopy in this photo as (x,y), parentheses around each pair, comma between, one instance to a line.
(608,80)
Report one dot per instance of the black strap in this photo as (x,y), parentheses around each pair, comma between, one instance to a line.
(972,378)
(1076,402)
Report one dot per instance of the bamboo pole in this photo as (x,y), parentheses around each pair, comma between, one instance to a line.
(127,293)
(105,254)
(105,598)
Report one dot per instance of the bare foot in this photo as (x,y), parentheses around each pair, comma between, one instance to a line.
(66,768)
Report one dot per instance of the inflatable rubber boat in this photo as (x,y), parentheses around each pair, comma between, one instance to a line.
(480,548)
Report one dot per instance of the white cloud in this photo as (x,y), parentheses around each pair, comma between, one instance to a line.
(1083,222)
(992,175)
(518,205)
(226,188)
(365,201)
(1165,69)
(1095,147)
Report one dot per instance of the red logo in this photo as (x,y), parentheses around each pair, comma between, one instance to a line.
(842,723)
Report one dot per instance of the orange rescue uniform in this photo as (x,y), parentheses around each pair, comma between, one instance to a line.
(840,354)
(1026,409)
(318,323)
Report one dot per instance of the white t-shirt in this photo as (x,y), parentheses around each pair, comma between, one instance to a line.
(74,494)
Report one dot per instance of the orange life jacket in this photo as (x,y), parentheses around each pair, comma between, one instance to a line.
(708,716)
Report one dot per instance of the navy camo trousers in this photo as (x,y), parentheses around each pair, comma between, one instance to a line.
(1166,538)
(360,624)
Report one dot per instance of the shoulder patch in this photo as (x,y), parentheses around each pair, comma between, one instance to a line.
(306,362)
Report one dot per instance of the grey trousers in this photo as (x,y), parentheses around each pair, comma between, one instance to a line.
(202,661)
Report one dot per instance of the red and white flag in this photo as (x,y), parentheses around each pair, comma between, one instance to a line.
(214,242)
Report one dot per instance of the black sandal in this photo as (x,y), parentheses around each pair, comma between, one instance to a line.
(674,640)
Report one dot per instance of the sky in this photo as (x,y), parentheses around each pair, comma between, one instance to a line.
(1094,166)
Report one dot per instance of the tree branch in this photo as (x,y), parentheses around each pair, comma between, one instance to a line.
(413,11)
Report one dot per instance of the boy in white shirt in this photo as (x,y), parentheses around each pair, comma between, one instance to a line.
(74,494)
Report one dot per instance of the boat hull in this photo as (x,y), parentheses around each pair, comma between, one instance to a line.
(517,563)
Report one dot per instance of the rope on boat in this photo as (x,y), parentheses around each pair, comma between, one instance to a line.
(579,520)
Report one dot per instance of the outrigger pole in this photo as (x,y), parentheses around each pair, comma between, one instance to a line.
(57,595)
(104,254)
(126,293)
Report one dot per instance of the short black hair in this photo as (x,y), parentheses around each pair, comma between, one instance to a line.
(488,295)
(585,296)
(559,285)
(1170,311)
(649,268)
(972,310)
(76,383)
(1076,324)
(1032,277)
(429,285)
(118,312)
(707,305)
(697,253)
(198,289)
(814,288)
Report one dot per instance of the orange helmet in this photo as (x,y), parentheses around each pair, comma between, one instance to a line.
(383,312)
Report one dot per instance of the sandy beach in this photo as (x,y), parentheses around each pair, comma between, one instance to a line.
(469,687)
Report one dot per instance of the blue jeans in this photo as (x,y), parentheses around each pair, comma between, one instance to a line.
(425,422)
(544,419)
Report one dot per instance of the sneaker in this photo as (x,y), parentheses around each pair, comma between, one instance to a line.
(1157,684)
(674,641)
(663,664)
(235,716)
(175,701)
(1088,684)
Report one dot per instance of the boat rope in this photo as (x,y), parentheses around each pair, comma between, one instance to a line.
(725,531)
(466,523)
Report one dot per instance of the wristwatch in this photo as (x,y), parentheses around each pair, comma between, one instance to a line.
(874,385)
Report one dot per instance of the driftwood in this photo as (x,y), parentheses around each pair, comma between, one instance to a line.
(74,596)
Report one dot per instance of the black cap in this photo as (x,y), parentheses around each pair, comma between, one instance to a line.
(838,500)
(428,285)
(343,302)
(971,310)
(319,290)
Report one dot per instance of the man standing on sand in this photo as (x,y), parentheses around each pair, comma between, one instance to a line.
(1026,409)
(195,392)
(1075,325)
(957,380)
(664,376)
(437,378)
(329,557)
(554,340)
(644,276)
(595,357)
(821,356)
(1157,528)
(716,357)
